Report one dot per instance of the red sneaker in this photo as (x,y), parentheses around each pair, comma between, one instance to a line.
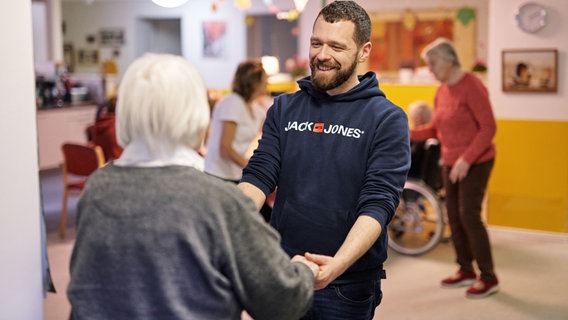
(460,279)
(482,288)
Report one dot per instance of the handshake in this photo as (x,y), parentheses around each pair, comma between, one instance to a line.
(320,266)
(325,268)
(312,265)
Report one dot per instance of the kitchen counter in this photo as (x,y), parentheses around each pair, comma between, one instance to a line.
(58,125)
(67,106)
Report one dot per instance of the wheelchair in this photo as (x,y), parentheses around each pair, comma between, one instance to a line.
(419,222)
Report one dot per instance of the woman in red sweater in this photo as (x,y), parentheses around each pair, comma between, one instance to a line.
(464,124)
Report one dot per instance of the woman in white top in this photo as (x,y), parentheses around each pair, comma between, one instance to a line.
(236,123)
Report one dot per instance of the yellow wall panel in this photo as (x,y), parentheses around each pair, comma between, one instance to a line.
(525,212)
(282,87)
(402,95)
(529,184)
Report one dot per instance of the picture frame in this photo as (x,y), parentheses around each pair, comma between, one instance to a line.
(87,57)
(214,38)
(399,36)
(112,37)
(530,70)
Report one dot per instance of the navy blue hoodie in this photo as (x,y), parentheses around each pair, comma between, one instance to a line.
(332,158)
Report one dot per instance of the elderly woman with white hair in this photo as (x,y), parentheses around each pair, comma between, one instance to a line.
(422,154)
(464,124)
(159,239)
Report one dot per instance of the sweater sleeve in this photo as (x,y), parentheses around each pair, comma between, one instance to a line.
(387,168)
(477,100)
(268,285)
(424,132)
(427,130)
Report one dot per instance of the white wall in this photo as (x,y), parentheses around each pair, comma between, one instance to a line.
(40,38)
(20,250)
(506,35)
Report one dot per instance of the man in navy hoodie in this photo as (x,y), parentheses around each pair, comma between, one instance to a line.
(339,153)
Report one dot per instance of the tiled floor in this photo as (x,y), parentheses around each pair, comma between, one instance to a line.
(531,267)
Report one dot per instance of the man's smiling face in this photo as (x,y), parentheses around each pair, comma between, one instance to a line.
(333,56)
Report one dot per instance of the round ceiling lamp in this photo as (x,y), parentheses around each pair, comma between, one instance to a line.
(169,3)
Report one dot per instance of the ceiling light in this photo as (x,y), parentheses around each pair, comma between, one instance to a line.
(271,65)
(300,4)
(169,3)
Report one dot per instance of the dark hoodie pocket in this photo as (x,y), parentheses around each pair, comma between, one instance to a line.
(306,228)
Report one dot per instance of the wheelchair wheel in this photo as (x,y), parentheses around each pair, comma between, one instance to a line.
(418,224)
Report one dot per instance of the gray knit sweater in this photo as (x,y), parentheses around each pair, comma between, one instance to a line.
(175,243)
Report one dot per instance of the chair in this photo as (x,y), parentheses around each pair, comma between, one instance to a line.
(79,161)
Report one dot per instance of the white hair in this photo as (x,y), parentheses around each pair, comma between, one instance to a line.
(419,113)
(443,49)
(162,102)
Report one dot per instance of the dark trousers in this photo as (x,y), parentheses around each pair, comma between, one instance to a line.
(469,234)
(353,301)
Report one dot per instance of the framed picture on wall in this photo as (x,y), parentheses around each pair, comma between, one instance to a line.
(87,57)
(112,37)
(399,36)
(530,70)
(214,34)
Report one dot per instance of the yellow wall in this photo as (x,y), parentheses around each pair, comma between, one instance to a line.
(282,87)
(402,95)
(529,183)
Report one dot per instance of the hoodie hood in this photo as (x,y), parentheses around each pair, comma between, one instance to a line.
(367,88)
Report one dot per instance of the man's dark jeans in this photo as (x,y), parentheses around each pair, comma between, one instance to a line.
(353,301)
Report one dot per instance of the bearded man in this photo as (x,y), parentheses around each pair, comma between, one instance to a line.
(339,153)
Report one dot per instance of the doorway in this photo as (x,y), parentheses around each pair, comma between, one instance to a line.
(268,36)
(159,35)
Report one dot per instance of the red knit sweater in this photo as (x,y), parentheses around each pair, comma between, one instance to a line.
(463,122)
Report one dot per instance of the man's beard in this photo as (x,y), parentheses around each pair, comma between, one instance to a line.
(325,83)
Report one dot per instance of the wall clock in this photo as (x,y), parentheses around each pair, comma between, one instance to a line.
(531,17)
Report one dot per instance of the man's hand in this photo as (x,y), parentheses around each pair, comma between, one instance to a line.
(246,316)
(314,267)
(360,238)
(329,269)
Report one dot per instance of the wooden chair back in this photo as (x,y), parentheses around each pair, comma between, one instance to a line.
(79,162)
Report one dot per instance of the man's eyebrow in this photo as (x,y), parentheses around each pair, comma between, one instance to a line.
(330,42)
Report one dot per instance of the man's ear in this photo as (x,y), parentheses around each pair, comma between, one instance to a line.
(364,52)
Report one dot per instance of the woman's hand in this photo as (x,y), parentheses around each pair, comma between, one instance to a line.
(459,170)
(314,267)
(329,269)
